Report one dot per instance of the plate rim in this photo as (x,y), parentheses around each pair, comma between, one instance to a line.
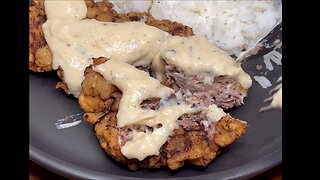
(69,170)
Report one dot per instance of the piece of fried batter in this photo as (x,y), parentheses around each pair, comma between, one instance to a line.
(40,56)
(196,145)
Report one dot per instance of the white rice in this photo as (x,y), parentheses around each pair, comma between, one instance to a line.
(230,25)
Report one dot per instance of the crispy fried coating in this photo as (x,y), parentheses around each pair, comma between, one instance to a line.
(197,147)
(40,56)
(97,94)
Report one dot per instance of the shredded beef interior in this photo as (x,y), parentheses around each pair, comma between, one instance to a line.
(223,91)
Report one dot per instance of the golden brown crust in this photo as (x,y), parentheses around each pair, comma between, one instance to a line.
(40,57)
(184,146)
(228,131)
(174,28)
(97,61)
(96,95)
(92,118)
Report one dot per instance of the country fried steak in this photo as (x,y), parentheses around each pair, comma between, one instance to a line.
(40,56)
(196,140)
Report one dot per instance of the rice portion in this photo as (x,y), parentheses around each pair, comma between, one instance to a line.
(231,25)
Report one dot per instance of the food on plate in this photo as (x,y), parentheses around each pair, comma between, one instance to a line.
(40,56)
(155,92)
(196,134)
(187,144)
(233,26)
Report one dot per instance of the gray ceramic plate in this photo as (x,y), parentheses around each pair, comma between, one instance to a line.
(75,152)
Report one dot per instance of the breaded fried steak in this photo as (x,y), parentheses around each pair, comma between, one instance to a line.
(196,140)
(40,56)
(154,92)
(198,144)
